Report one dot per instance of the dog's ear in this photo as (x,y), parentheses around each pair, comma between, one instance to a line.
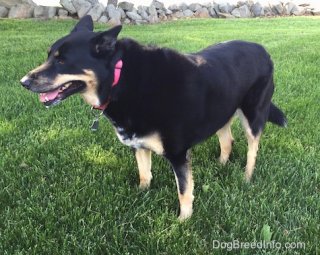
(105,42)
(84,24)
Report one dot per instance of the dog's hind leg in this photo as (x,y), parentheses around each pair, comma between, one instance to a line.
(254,113)
(143,157)
(253,146)
(226,140)
(182,169)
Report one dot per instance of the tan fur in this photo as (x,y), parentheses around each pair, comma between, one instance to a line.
(89,77)
(40,68)
(253,146)
(186,199)
(143,158)
(200,60)
(154,143)
(225,139)
(197,60)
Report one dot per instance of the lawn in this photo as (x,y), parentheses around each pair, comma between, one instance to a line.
(66,190)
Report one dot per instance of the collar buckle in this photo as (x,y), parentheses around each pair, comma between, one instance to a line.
(96,117)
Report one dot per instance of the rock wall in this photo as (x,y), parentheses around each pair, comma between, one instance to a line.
(125,12)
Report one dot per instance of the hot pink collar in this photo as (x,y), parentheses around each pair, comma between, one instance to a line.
(116,78)
(117,72)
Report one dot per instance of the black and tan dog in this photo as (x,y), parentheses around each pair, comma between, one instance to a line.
(160,100)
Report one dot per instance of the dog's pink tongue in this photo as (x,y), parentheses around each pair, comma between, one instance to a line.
(48,96)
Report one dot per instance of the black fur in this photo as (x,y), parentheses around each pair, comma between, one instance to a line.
(168,92)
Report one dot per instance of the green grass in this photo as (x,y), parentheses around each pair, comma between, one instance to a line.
(66,190)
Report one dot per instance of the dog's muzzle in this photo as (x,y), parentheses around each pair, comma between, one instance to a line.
(26,82)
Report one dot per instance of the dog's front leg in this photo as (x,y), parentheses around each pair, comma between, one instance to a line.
(143,157)
(182,169)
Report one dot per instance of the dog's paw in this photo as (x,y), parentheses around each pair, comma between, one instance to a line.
(185,213)
(223,160)
(247,177)
(144,184)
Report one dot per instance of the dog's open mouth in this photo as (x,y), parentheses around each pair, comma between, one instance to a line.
(54,97)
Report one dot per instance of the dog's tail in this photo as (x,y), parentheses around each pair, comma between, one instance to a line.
(276,116)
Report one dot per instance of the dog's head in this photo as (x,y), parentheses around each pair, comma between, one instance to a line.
(82,61)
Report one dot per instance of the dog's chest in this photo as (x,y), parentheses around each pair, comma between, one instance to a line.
(152,141)
(129,138)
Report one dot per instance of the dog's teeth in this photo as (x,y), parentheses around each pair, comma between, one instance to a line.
(47,99)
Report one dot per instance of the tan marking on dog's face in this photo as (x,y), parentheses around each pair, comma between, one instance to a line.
(56,54)
(89,78)
(90,95)
(40,68)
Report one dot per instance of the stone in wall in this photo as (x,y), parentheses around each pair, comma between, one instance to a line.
(126,6)
(113,13)
(153,18)
(174,8)
(183,7)
(21,11)
(202,13)
(44,12)
(188,13)
(142,11)
(133,16)
(241,12)
(278,9)
(10,3)
(113,2)
(103,19)
(68,5)
(214,10)
(292,9)
(194,7)
(3,12)
(257,10)
(158,5)
(225,15)
(226,8)
(82,7)
(62,13)
(96,11)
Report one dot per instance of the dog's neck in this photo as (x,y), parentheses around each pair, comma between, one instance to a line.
(130,52)
(116,78)
(144,69)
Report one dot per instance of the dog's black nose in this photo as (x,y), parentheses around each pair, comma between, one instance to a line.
(26,82)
